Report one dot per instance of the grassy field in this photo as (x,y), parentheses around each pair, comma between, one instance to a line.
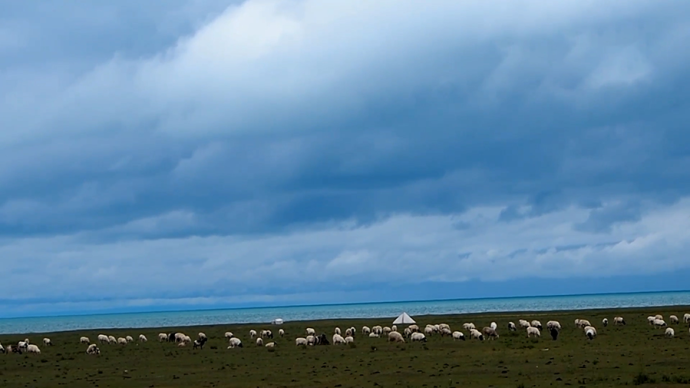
(620,355)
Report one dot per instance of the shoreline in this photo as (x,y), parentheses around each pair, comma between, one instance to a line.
(678,308)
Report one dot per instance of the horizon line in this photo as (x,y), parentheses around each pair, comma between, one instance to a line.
(336,304)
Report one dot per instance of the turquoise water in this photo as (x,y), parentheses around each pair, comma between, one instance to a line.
(369,310)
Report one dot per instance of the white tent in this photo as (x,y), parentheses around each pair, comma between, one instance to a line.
(403,319)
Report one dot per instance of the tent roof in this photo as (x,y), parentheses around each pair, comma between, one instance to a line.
(403,319)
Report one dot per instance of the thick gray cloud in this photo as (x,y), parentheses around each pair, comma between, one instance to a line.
(162,130)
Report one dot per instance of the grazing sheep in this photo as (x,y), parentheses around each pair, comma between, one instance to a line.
(199,343)
(468,326)
(686,318)
(476,334)
(235,343)
(413,328)
(229,334)
(669,332)
(311,340)
(142,338)
(429,330)
(129,338)
(554,332)
(650,320)
(31,348)
(374,335)
(259,342)
(252,334)
(457,335)
(23,345)
(180,337)
(336,331)
(674,319)
(446,332)
(311,331)
(659,323)
(524,324)
(46,342)
(84,340)
(418,337)
(349,339)
(590,332)
(122,341)
(386,330)
(102,338)
(162,337)
(377,329)
(349,332)
(2,349)
(182,344)
(394,336)
(659,316)
(266,334)
(553,325)
(394,328)
(493,325)
(202,336)
(281,332)
(366,330)
(533,332)
(112,339)
(338,339)
(583,323)
(489,332)
(511,326)
(536,324)
(354,331)
(93,350)
(271,345)
(605,322)
(618,321)
(299,341)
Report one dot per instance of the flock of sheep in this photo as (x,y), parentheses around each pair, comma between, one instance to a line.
(412,333)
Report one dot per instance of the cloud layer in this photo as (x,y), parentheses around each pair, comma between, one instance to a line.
(271,151)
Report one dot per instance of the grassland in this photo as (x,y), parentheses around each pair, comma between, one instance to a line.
(621,355)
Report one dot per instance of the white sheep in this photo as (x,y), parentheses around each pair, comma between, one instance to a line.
(336,331)
(271,345)
(536,324)
(229,334)
(311,331)
(659,316)
(553,325)
(202,336)
(259,342)
(349,339)
(122,341)
(300,341)
(234,343)
(590,332)
(93,350)
(252,334)
(605,322)
(162,337)
(669,332)
(129,338)
(493,325)
(102,338)
(428,330)
(394,328)
(659,323)
(2,349)
(476,334)
(386,330)
(650,320)
(394,336)
(311,340)
(618,321)
(31,348)
(366,330)
(457,335)
(377,329)
(281,332)
(142,338)
(489,332)
(413,328)
(524,324)
(583,323)
(84,340)
(686,318)
(338,339)
(266,334)
(533,332)
(180,337)
(47,342)
(674,319)
(511,326)
(468,326)
(419,337)
(112,339)
(374,335)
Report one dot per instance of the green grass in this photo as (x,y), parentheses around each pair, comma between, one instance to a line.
(635,354)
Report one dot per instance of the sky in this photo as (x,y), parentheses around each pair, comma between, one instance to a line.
(205,153)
